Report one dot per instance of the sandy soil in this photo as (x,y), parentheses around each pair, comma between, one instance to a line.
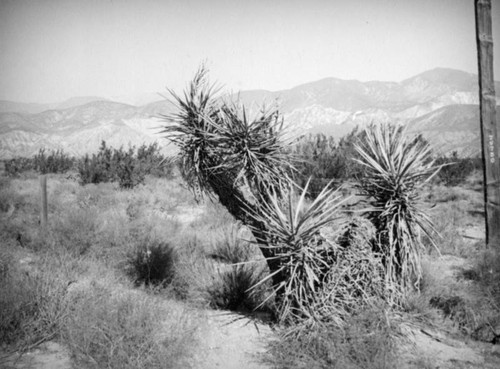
(232,341)
(227,341)
(48,355)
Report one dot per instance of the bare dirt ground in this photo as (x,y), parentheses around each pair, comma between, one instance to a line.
(227,341)
(430,348)
(231,341)
(48,355)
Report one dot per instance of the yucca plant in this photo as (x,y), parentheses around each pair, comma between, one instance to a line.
(225,153)
(303,256)
(395,167)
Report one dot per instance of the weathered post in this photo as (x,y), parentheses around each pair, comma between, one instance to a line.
(489,134)
(43,198)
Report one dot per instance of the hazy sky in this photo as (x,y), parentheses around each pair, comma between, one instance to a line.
(51,50)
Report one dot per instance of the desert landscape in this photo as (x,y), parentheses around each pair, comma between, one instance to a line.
(249,184)
(140,265)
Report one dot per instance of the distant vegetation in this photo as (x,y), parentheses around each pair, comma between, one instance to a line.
(57,161)
(456,170)
(127,167)
(318,158)
(322,159)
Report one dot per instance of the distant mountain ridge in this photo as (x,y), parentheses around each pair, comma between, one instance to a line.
(34,108)
(441,103)
(77,130)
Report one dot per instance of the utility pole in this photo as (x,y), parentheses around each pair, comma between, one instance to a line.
(489,134)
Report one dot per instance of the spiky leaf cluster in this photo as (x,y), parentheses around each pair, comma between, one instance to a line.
(221,146)
(395,167)
(303,255)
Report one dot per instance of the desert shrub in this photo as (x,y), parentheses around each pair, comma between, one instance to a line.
(32,306)
(124,329)
(319,160)
(447,219)
(127,167)
(154,162)
(93,170)
(74,232)
(396,167)
(455,170)
(366,341)
(322,160)
(442,194)
(9,199)
(229,247)
(152,264)
(57,161)
(15,166)
(234,288)
(487,269)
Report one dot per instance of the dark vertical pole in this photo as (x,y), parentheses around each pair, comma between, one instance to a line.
(489,135)
(43,207)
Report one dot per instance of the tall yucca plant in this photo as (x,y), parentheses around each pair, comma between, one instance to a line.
(303,257)
(224,152)
(395,167)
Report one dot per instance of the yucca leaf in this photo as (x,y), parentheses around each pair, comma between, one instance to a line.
(396,166)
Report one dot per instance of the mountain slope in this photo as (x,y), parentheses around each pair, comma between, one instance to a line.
(440,103)
(452,128)
(77,130)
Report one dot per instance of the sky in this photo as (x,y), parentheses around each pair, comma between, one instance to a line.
(52,50)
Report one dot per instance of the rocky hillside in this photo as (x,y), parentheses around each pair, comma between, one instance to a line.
(77,130)
(441,103)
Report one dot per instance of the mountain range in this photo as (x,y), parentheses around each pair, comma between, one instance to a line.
(442,104)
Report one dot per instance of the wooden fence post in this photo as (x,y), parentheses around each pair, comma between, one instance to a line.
(489,134)
(43,207)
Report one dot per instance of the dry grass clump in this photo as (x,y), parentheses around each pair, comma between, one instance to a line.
(366,341)
(103,321)
(152,264)
(356,278)
(450,220)
(443,194)
(481,305)
(33,307)
(459,296)
(112,327)
(230,246)
(233,289)
(487,273)
(219,268)
(73,288)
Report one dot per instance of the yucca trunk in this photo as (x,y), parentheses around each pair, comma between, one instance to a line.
(225,153)
(233,199)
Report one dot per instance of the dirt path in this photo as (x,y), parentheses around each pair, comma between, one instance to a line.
(231,341)
(226,341)
(48,355)
(430,348)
